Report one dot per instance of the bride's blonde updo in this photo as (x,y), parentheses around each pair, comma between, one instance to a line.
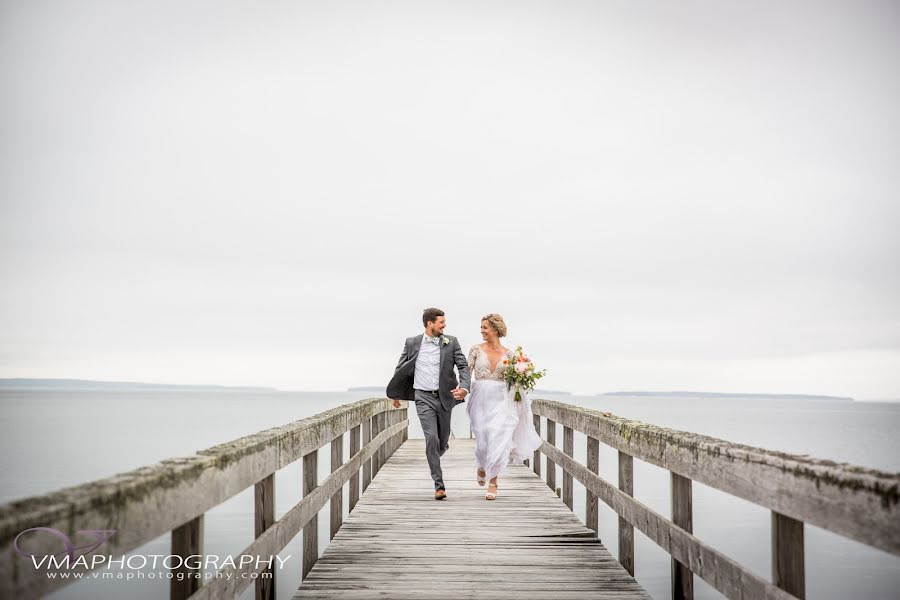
(496,323)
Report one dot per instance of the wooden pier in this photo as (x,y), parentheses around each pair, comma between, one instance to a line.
(398,542)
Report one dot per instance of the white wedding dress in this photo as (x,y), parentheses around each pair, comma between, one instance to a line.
(503,427)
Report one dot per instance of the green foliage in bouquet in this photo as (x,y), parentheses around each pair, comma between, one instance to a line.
(520,372)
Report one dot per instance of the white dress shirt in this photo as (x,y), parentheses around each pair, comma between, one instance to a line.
(428,364)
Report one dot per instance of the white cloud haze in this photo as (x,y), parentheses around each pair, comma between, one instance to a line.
(654,195)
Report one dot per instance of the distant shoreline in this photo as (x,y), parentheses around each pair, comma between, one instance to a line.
(89,384)
(727,395)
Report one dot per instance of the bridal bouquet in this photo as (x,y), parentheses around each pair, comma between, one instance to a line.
(520,372)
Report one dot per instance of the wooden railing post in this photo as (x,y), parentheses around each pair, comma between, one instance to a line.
(396,440)
(367,464)
(788,568)
(551,466)
(568,448)
(187,540)
(354,481)
(626,530)
(404,416)
(537,453)
(388,448)
(311,530)
(682,515)
(377,427)
(374,435)
(389,445)
(264,510)
(337,501)
(591,514)
(382,450)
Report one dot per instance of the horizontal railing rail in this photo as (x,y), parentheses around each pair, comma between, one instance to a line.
(858,503)
(173,495)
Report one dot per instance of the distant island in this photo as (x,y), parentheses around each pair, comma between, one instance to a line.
(88,384)
(726,395)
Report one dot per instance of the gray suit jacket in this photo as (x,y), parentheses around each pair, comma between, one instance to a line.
(401,384)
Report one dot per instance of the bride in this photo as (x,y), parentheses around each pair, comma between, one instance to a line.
(502,426)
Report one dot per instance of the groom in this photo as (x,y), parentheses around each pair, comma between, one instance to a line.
(425,375)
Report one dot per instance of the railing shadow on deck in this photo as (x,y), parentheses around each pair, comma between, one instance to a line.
(858,503)
(173,496)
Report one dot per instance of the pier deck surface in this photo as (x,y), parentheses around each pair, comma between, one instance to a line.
(398,542)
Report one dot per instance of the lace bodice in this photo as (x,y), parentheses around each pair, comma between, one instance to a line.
(480,365)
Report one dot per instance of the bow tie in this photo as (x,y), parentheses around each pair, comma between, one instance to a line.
(434,340)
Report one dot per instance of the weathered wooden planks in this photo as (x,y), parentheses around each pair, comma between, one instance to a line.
(187,540)
(337,501)
(626,529)
(724,574)
(568,448)
(859,503)
(400,543)
(264,517)
(276,537)
(144,503)
(788,568)
(591,517)
(682,516)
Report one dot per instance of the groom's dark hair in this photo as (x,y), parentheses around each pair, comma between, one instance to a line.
(431,315)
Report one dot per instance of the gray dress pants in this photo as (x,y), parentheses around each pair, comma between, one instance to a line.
(435,420)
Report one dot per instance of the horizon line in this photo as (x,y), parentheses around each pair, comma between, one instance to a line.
(63,380)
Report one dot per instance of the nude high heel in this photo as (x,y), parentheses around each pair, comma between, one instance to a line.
(491,495)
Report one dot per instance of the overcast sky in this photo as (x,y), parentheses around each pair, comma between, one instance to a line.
(655,195)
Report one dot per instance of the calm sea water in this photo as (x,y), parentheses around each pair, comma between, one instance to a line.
(52,439)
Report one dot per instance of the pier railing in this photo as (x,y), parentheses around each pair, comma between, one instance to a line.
(173,496)
(857,503)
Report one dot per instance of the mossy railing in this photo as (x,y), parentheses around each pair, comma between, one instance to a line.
(858,503)
(173,496)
